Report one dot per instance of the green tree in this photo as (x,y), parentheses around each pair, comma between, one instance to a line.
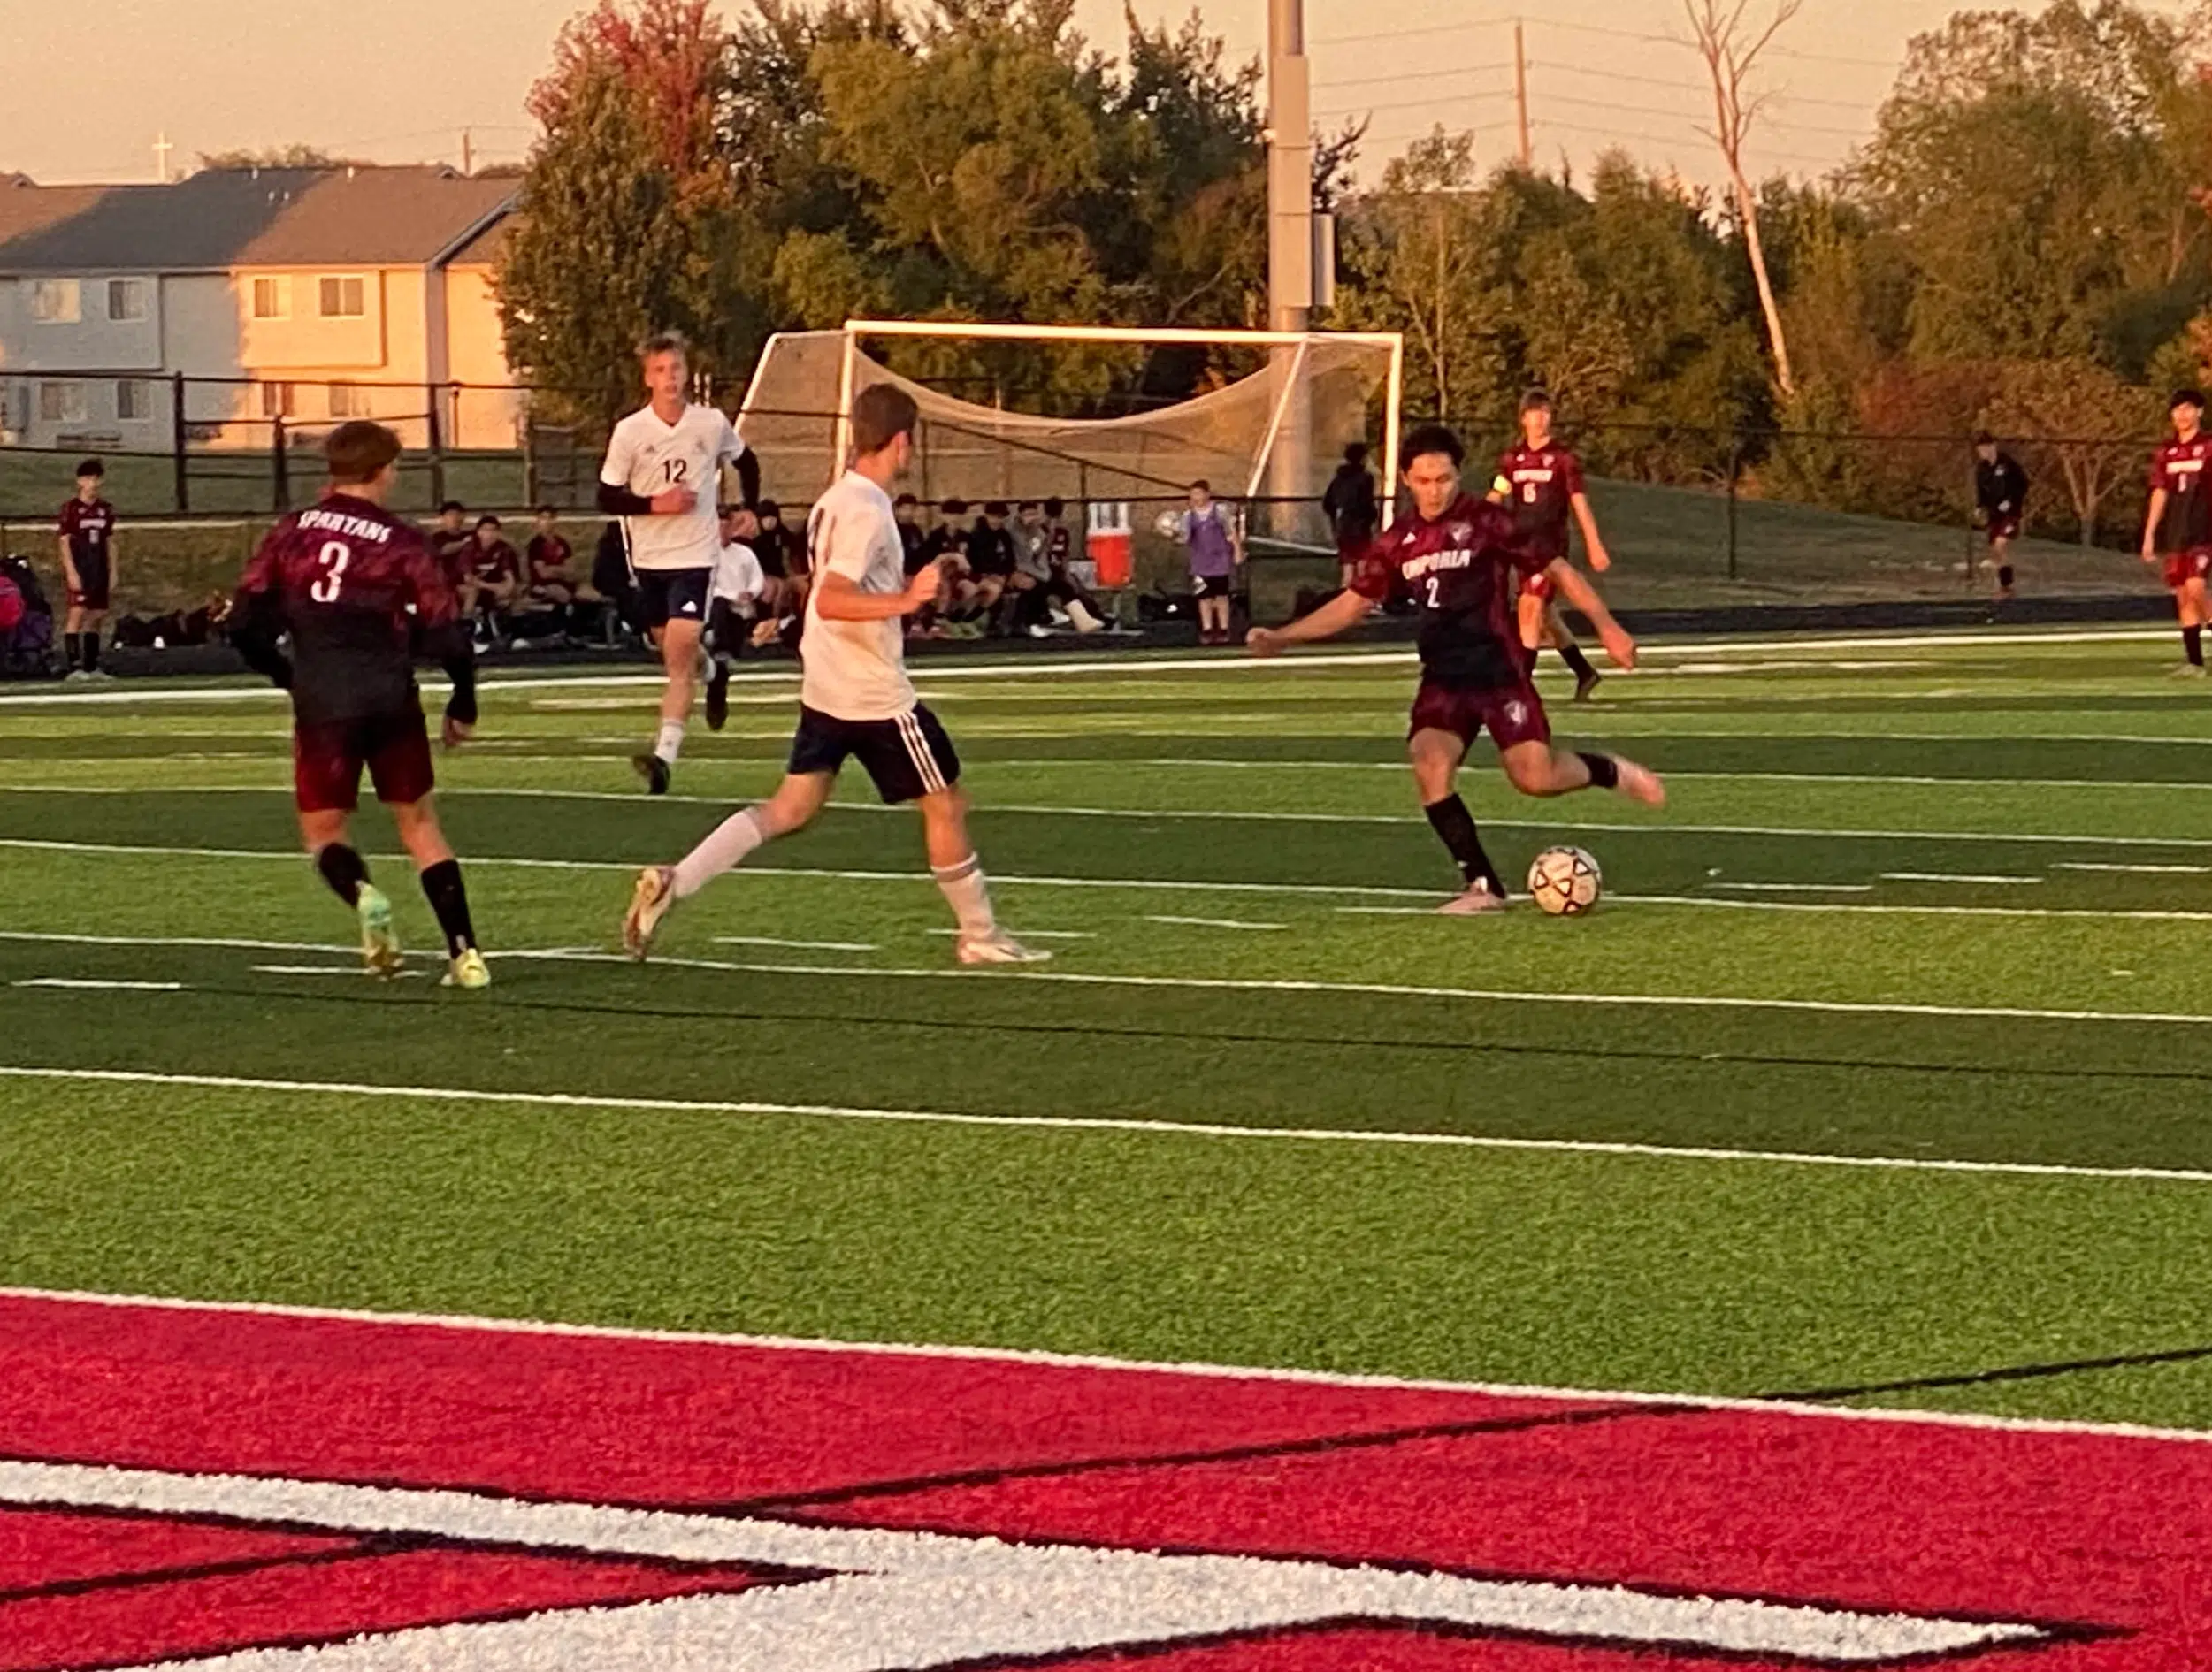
(2076,419)
(294,156)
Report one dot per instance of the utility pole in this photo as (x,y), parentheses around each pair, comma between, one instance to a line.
(1520,97)
(1289,246)
(468,152)
(162,148)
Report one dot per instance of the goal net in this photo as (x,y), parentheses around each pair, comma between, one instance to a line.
(1267,440)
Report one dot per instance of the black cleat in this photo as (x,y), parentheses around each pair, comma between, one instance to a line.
(718,699)
(654,771)
(1585,683)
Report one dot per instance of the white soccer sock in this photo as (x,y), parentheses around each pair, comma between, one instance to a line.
(724,850)
(969,896)
(670,743)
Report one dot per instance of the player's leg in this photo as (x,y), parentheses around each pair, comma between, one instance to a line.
(1559,638)
(1535,767)
(1436,746)
(399,767)
(2000,554)
(727,634)
(327,762)
(681,606)
(2189,604)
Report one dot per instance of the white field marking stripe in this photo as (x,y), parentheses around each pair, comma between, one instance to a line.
(1027,935)
(1213,922)
(128,987)
(333,969)
(2136,870)
(1927,780)
(1904,908)
(1955,876)
(471,1324)
(1681,1001)
(802,946)
(1048,666)
(938,1600)
(1794,887)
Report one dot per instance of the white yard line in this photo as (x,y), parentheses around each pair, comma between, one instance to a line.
(1212,922)
(1958,876)
(470,1325)
(803,946)
(123,987)
(1794,887)
(1121,1125)
(2135,870)
(1911,779)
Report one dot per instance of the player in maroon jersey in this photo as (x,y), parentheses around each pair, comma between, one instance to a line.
(2179,525)
(86,530)
(1465,566)
(363,596)
(1541,482)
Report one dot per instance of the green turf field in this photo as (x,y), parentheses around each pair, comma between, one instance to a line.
(1885,1060)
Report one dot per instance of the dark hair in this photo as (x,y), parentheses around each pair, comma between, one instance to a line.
(450,505)
(2186,397)
(1355,453)
(1055,508)
(882,413)
(546,510)
(487,521)
(1535,401)
(1029,505)
(92,467)
(904,499)
(954,508)
(357,451)
(767,508)
(1983,439)
(664,342)
(994,507)
(1201,486)
(1431,438)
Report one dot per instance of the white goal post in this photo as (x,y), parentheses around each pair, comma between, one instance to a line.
(1271,436)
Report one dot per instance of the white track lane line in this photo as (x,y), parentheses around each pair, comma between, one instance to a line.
(1323,1135)
(462,1322)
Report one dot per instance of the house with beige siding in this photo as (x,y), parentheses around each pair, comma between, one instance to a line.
(295,296)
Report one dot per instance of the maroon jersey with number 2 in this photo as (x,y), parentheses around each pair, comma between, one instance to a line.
(354,586)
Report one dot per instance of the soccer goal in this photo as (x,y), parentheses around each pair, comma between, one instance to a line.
(1269,436)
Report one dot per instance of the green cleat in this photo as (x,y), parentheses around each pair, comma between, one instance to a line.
(379,944)
(469,971)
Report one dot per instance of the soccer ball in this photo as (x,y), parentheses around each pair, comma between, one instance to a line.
(1565,882)
(1168,525)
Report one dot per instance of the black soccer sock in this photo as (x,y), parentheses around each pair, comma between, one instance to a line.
(1572,656)
(2192,645)
(2004,575)
(91,650)
(442,885)
(69,652)
(344,870)
(1454,827)
(1604,770)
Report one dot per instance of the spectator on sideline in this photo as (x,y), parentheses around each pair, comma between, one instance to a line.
(990,552)
(1208,531)
(1352,511)
(87,534)
(449,542)
(496,576)
(1088,615)
(550,580)
(739,584)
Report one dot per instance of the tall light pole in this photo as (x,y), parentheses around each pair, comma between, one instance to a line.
(1289,250)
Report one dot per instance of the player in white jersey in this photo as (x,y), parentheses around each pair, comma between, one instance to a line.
(663,477)
(856,702)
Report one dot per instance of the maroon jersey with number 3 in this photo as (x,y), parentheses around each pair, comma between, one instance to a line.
(354,585)
(1462,572)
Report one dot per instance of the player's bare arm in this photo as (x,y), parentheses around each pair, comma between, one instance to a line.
(1343,612)
(1582,596)
(68,568)
(2152,518)
(1586,519)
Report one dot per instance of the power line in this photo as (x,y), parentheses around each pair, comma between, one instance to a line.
(1674,139)
(1692,87)
(1466,24)
(1693,116)
(1399,76)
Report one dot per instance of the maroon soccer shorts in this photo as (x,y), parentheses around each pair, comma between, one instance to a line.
(1510,714)
(327,759)
(2003,527)
(2184,566)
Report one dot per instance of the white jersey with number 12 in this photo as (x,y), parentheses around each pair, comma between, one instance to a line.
(649,457)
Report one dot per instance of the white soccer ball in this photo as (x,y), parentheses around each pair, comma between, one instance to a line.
(1565,882)
(1168,525)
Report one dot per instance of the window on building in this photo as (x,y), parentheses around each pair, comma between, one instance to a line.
(272,298)
(127,298)
(61,403)
(133,401)
(343,298)
(275,401)
(56,302)
(348,401)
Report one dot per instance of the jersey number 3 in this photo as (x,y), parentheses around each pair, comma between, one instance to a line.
(333,558)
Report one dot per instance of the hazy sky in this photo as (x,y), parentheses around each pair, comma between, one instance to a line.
(89,84)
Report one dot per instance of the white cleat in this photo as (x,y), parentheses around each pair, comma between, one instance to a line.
(2190,670)
(997,948)
(650,902)
(1640,783)
(1477,899)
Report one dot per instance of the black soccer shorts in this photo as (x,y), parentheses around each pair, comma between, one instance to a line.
(666,595)
(907,757)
